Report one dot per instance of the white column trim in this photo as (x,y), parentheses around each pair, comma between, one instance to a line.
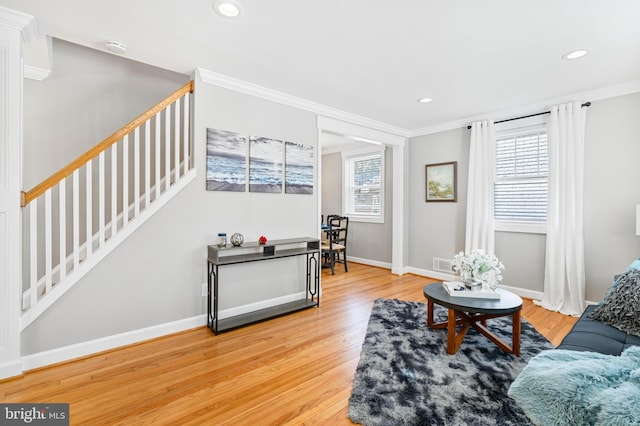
(400,180)
(399,234)
(15,28)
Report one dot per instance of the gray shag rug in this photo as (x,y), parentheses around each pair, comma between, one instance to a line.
(406,377)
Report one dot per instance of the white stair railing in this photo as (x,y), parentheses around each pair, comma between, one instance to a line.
(73,219)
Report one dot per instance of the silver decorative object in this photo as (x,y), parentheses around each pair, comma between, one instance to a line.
(237,239)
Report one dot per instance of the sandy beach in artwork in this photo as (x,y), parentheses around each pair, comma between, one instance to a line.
(216,185)
(298,189)
(262,187)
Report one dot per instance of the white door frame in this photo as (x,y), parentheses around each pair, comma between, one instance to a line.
(400,179)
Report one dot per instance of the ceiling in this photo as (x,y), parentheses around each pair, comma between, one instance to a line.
(375,58)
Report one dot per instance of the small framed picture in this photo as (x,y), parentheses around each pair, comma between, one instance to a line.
(442,181)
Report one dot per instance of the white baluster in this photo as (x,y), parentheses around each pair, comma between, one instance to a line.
(48,240)
(62,208)
(76,219)
(147,163)
(33,251)
(136,172)
(101,200)
(114,190)
(176,142)
(125,181)
(167,147)
(89,210)
(157,162)
(185,139)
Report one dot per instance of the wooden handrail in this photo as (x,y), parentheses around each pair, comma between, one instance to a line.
(92,153)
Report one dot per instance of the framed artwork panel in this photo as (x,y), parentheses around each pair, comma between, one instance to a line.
(441,182)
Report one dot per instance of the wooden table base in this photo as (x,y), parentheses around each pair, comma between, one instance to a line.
(477,321)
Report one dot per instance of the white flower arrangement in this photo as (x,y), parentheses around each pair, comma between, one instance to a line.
(479,265)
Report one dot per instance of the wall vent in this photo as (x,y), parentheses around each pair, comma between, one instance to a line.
(442,265)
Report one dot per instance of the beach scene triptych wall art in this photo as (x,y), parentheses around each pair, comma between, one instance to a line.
(237,162)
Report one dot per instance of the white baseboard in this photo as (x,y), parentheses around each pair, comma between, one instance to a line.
(431,274)
(522,292)
(66,353)
(78,350)
(10,369)
(369,262)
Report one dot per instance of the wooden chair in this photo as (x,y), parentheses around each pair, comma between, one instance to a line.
(334,249)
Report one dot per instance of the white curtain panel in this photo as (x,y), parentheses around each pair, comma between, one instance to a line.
(482,164)
(564,283)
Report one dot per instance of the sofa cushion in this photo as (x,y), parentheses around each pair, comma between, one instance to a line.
(595,336)
(621,307)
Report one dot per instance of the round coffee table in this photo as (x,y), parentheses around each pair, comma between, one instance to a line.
(470,312)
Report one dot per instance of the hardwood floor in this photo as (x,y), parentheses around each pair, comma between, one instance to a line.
(294,370)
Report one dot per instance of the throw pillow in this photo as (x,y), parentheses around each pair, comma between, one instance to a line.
(621,307)
(634,265)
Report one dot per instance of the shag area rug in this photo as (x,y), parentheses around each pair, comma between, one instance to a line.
(406,377)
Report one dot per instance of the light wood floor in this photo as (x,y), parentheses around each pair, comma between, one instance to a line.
(297,369)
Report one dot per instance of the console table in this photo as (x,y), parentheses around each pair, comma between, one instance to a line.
(255,252)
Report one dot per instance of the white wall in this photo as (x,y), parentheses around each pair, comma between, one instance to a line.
(155,276)
(612,190)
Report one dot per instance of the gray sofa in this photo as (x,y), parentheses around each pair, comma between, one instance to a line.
(595,336)
(593,377)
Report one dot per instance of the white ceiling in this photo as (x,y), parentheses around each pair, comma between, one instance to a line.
(375,58)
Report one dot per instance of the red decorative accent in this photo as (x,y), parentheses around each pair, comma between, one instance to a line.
(262,239)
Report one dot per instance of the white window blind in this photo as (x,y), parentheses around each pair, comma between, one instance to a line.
(521,185)
(364,192)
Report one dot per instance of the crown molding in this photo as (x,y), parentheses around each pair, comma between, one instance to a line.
(19,21)
(591,95)
(221,80)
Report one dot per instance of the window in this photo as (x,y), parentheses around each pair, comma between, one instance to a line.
(363,195)
(521,183)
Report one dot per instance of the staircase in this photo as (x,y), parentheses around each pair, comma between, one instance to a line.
(77,216)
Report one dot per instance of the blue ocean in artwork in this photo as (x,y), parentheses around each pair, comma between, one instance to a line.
(299,169)
(299,175)
(226,168)
(265,172)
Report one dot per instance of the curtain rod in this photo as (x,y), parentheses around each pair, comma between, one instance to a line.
(586,104)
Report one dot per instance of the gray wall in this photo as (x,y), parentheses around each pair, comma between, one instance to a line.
(612,190)
(331,184)
(436,229)
(155,276)
(89,95)
(369,241)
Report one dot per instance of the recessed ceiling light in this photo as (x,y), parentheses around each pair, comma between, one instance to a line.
(227,8)
(115,46)
(425,100)
(575,54)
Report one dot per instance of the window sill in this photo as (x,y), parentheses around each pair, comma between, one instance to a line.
(522,227)
(366,219)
